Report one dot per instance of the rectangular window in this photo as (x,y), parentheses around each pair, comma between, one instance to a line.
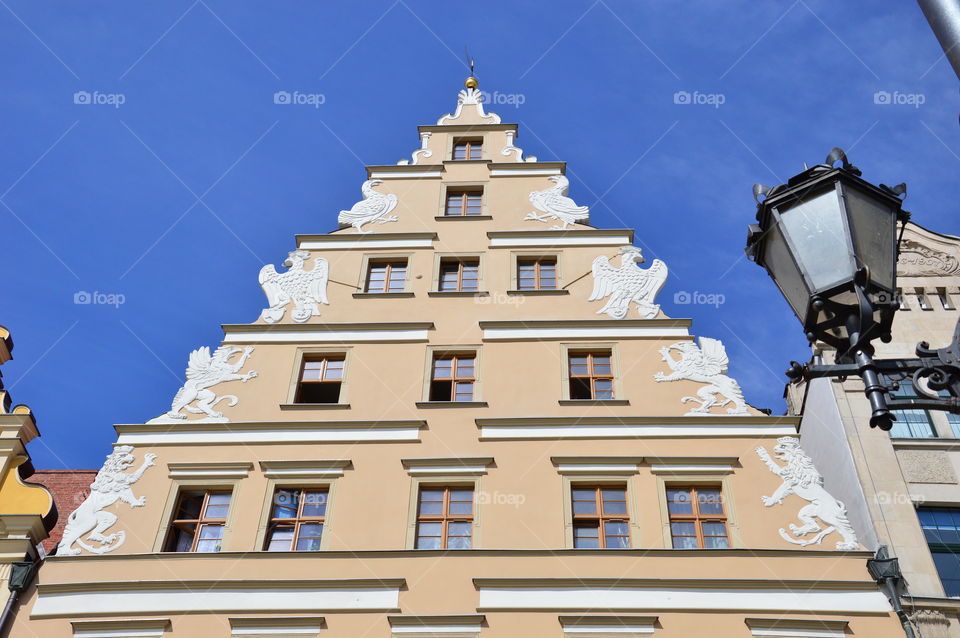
(600,518)
(941,527)
(296,520)
(386,276)
(696,518)
(198,521)
(452,377)
(591,376)
(537,274)
(468,149)
(445,518)
(320,380)
(911,424)
(466,202)
(459,275)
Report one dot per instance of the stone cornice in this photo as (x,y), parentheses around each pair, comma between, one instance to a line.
(463,128)
(215,584)
(199,426)
(239,328)
(333,239)
(708,419)
(681,583)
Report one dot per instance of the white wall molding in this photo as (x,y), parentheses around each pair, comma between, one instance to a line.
(583,329)
(345,241)
(327,333)
(305,469)
(797,627)
(497,171)
(278,626)
(144,597)
(124,628)
(559,238)
(471,466)
(208,470)
(692,464)
(277,432)
(633,427)
(465,626)
(620,465)
(620,626)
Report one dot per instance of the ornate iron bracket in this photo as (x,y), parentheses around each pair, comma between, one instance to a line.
(931,373)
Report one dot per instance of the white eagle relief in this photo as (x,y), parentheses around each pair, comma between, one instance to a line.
(554,204)
(304,288)
(111,485)
(205,370)
(800,477)
(707,364)
(374,207)
(628,283)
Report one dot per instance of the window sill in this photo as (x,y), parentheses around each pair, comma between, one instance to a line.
(594,402)
(482,160)
(445,218)
(536,293)
(382,295)
(458,293)
(451,404)
(314,406)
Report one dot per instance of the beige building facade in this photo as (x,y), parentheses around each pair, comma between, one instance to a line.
(901,488)
(462,414)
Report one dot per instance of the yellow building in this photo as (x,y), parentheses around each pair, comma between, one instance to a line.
(27,511)
(462,414)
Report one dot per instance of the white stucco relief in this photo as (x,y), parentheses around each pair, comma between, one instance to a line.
(469,97)
(509,148)
(205,370)
(628,283)
(111,485)
(302,287)
(555,205)
(800,477)
(373,208)
(422,152)
(707,364)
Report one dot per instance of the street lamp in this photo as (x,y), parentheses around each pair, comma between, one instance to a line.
(829,239)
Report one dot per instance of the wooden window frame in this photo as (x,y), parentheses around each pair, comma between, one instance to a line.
(695,517)
(460,261)
(445,517)
(601,517)
(299,519)
(200,522)
(471,144)
(326,358)
(537,268)
(390,265)
(590,354)
(453,379)
(464,193)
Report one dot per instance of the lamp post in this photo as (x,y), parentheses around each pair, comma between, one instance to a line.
(829,239)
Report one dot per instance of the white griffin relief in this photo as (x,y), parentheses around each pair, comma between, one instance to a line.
(374,207)
(111,485)
(205,370)
(800,477)
(707,364)
(628,283)
(304,288)
(554,204)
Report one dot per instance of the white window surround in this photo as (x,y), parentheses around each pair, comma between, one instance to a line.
(539,330)
(245,433)
(608,465)
(473,466)
(209,470)
(715,426)
(465,626)
(604,626)
(797,627)
(289,469)
(281,627)
(202,483)
(689,465)
(301,355)
(125,628)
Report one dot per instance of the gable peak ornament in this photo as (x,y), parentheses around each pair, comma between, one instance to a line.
(205,370)
(800,477)
(555,205)
(305,288)
(628,283)
(374,207)
(470,96)
(707,364)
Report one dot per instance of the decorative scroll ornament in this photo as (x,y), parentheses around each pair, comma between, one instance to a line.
(801,477)
(423,151)
(704,364)
(374,207)
(628,283)
(304,288)
(469,97)
(917,260)
(205,370)
(554,204)
(509,149)
(111,485)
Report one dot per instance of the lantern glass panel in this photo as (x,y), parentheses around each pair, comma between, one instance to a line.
(777,259)
(874,224)
(817,233)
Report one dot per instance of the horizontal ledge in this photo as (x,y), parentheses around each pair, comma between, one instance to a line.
(270,432)
(586,323)
(382,295)
(214,584)
(366,241)
(450,218)
(451,404)
(239,426)
(419,621)
(209,470)
(458,293)
(681,583)
(239,328)
(539,293)
(314,406)
(327,332)
(593,402)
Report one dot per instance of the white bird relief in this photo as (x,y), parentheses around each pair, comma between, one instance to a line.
(304,288)
(554,204)
(628,283)
(374,207)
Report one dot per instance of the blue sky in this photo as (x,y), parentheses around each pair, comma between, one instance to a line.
(176,197)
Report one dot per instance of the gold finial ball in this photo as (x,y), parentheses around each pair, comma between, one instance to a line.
(471,83)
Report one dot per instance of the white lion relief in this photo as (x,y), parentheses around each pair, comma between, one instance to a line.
(111,485)
(704,364)
(205,370)
(304,288)
(801,477)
